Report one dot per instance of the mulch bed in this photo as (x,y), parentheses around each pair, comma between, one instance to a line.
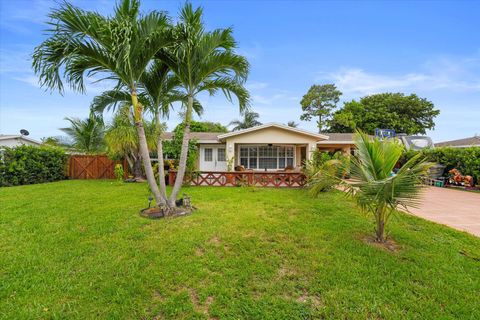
(157,213)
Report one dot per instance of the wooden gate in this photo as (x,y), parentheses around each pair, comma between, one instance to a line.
(93,167)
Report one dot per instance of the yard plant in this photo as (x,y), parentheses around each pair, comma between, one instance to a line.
(32,164)
(375,188)
(149,60)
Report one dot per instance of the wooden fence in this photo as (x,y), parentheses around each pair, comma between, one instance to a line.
(245,178)
(93,167)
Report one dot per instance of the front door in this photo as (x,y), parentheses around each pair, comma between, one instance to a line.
(213,158)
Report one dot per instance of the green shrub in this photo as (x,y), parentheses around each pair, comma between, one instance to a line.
(466,160)
(29,165)
(119,172)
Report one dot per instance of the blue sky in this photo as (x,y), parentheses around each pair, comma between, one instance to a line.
(428,48)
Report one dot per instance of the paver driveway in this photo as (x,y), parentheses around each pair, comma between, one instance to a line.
(455,208)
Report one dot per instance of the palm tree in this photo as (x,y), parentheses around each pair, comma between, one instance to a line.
(375,188)
(122,140)
(249,120)
(118,48)
(203,61)
(292,124)
(159,91)
(86,135)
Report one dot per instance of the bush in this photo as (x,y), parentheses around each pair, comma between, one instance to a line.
(119,172)
(324,170)
(29,165)
(466,160)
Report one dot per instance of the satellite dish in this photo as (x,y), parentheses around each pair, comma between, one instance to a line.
(24,132)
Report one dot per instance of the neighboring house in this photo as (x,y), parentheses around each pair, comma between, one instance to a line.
(270,147)
(11,141)
(461,143)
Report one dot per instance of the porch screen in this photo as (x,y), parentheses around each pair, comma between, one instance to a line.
(266,157)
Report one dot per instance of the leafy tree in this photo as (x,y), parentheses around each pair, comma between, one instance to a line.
(250,119)
(117,48)
(86,135)
(203,61)
(207,126)
(375,189)
(292,124)
(57,141)
(318,102)
(173,147)
(406,114)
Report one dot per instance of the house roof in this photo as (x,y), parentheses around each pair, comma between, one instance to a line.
(18,136)
(202,137)
(466,142)
(269,125)
(216,137)
(338,138)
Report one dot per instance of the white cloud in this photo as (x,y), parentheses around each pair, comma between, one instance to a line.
(256,85)
(438,74)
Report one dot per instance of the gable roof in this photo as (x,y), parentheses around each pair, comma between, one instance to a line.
(18,137)
(272,125)
(466,142)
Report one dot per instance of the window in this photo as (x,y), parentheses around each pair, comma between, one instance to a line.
(207,157)
(266,157)
(221,154)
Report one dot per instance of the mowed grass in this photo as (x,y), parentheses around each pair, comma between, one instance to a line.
(79,250)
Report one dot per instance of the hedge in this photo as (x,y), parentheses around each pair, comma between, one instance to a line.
(30,164)
(466,160)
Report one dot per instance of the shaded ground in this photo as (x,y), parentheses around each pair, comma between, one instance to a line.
(455,208)
(79,250)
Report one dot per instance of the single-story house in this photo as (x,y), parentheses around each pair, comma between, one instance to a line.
(269,147)
(461,143)
(11,141)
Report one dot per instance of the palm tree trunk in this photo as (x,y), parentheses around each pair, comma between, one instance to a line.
(161,169)
(380,230)
(147,164)
(182,166)
(137,167)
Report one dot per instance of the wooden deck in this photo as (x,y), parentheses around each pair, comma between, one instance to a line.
(245,178)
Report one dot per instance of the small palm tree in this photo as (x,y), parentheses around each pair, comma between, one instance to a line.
(122,140)
(118,48)
(86,135)
(250,119)
(292,124)
(203,61)
(375,188)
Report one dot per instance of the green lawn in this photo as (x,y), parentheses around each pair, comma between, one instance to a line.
(79,250)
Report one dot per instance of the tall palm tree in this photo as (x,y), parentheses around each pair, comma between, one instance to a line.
(292,124)
(84,44)
(86,135)
(203,61)
(122,140)
(375,189)
(159,91)
(250,119)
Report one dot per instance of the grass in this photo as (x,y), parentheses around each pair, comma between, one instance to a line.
(79,250)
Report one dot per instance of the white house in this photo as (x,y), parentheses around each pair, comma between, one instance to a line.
(267,147)
(10,141)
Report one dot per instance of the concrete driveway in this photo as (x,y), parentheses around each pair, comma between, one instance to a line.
(455,208)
